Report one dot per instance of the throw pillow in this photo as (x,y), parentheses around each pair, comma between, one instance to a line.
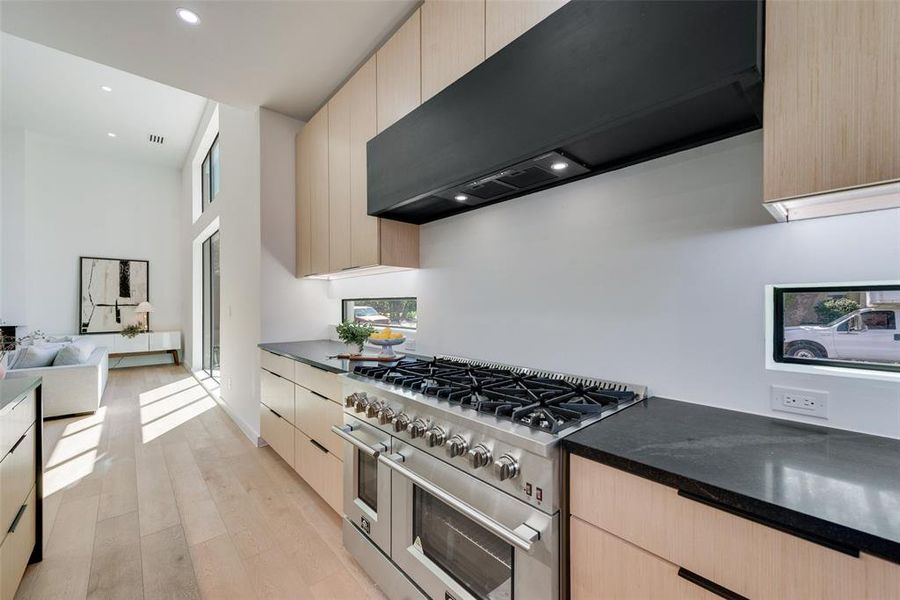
(73,354)
(32,357)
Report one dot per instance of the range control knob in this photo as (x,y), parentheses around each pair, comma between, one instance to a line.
(373,409)
(401,422)
(457,446)
(385,416)
(506,467)
(479,456)
(350,401)
(435,437)
(417,428)
(360,404)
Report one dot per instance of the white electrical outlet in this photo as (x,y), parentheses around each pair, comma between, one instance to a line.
(812,403)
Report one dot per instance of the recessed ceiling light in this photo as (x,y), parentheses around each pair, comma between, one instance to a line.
(460,198)
(111,134)
(188,16)
(559,166)
(105,88)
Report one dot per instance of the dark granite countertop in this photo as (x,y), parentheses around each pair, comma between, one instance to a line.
(13,389)
(837,487)
(316,353)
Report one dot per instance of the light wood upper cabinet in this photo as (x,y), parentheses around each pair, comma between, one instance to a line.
(452,42)
(832,96)
(339,181)
(505,20)
(319,201)
(304,210)
(399,73)
(364,241)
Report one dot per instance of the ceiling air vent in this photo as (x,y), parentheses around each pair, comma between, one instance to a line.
(156,139)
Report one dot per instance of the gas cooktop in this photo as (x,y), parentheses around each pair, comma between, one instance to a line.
(545,401)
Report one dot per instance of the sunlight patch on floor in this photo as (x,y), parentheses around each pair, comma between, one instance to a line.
(75,452)
(168,411)
(166,390)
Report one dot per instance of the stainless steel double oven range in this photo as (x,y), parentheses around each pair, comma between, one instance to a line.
(452,474)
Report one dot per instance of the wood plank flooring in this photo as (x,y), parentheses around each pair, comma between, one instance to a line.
(159,496)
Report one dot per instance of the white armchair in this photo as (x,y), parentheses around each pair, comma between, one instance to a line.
(71,389)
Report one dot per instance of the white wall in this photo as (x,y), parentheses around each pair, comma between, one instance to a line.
(653,274)
(74,203)
(291,309)
(12,235)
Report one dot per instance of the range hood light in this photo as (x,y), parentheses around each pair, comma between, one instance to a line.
(460,198)
(839,202)
(559,166)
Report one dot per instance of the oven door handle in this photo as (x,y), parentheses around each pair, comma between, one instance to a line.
(343,432)
(523,537)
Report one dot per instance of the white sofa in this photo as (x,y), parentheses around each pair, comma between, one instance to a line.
(71,389)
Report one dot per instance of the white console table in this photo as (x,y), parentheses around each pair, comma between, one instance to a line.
(143,343)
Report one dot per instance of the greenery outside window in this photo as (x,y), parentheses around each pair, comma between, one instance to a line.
(397,313)
(847,326)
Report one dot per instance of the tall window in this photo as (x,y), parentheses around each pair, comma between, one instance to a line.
(209,174)
(852,326)
(211,305)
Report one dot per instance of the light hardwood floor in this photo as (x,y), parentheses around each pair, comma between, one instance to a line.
(160,495)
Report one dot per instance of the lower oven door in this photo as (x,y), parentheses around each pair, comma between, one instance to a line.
(458,538)
(367,483)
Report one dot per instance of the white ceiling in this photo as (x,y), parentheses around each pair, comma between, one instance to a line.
(288,56)
(55,93)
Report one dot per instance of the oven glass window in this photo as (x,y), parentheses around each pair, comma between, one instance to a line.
(477,559)
(367,480)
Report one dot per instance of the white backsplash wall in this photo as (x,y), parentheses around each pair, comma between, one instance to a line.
(653,274)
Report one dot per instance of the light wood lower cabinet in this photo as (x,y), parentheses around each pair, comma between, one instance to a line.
(277,432)
(16,478)
(325,383)
(321,469)
(741,555)
(16,548)
(278,394)
(605,566)
(315,417)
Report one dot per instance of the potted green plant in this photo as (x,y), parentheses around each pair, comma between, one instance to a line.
(352,333)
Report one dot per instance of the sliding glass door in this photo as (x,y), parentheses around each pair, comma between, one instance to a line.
(211,306)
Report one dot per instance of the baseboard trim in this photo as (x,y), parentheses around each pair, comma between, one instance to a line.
(248,431)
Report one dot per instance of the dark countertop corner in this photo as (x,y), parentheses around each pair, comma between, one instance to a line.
(313,352)
(837,487)
(13,389)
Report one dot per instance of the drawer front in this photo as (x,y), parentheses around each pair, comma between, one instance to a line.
(277,432)
(165,340)
(316,415)
(139,343)
(318,380)
(744,556)
(16,478)
(601,561)
(279,365)
(321,470)
(278,394)
(17,422)
(16,549)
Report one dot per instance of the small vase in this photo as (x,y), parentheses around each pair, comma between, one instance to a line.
(359,349)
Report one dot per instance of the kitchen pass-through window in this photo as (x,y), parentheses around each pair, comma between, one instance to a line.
(399,313)
(853,326)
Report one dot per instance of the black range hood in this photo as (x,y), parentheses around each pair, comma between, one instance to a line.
(596,86)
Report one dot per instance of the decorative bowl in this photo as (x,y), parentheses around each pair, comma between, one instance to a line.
(387,346)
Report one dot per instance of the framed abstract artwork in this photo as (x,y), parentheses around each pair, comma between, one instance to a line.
(111,288)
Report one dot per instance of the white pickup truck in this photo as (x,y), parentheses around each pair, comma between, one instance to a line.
(868,334)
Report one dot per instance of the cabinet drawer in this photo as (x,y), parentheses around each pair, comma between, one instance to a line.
(318,380)
(316,415)
(16,478)
(601,561)
(742,555)
(321,470)
(278,394)
(277,432)
(15,550)
(280,365)
(16,422)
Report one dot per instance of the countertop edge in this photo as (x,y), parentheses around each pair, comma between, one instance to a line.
(772,515)
(300,358)
(35,382)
